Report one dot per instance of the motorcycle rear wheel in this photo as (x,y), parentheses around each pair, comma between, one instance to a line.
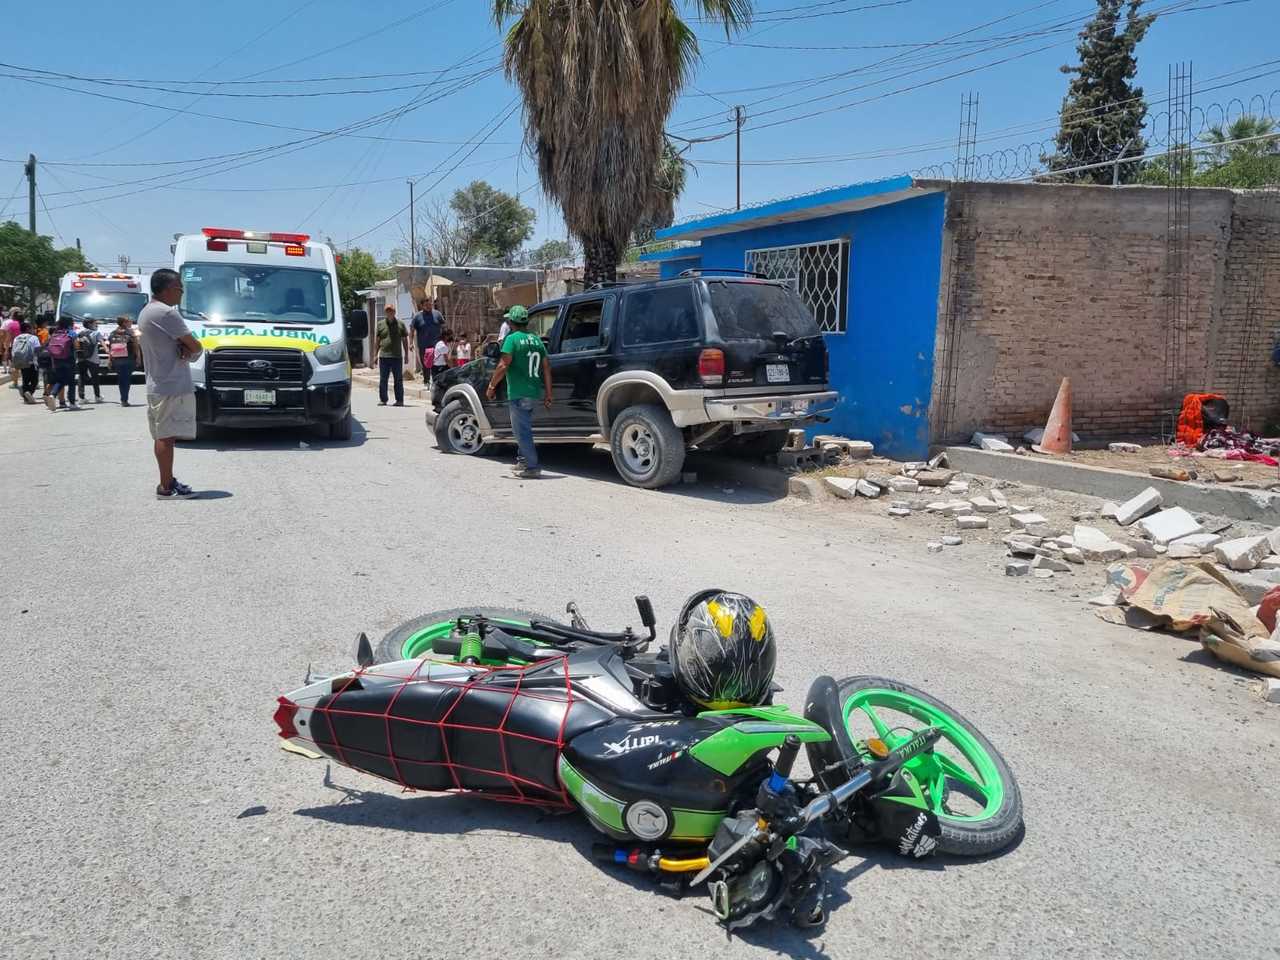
(969,785)
(412,639)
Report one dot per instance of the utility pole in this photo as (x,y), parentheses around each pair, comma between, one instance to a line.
(30,170)
(413,237)
(737,119)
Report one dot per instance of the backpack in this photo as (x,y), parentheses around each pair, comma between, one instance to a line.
(59,346)
(86,347)
(24,350)
(118,344)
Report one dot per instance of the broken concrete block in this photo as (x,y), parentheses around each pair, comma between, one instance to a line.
(1001,500)
(971,523)
(1049,563)
(1064,542)
(960,487)
(806,488)
(1182,551)
(1081,515)
(1019,508)
(899,512)
(901,504)
(952,541)
(985,505)
(1021,521)
(795,440)
(1073,555)
(1166,526)
(831,455)
(1273,538)
(1021,548)
(868,489)
(1047,549)
(1124,448)
(1204,542)
(1137,507)
(934,478)
(1043,574)
(846,488)
(912,467)
(1126,552)
(858,449)
(1108,510)
(1109,597)
(800,459)
(1016,568)
(1089,538)
(1268,563)
(950,508)
(1252,588)
(984,441)
(881,480)
(903,485)
(1226,476)
(1269,690)
(1143,548)
(1169,473)
(1243,553)
(1096,545)
(938,460)
(934,546)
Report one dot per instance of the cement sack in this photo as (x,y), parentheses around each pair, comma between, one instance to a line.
(1195,596)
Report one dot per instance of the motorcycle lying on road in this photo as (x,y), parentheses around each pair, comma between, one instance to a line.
(520,707)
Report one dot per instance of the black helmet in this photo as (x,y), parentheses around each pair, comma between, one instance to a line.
(722,650)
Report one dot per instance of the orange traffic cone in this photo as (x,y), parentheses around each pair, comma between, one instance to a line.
(1057,432)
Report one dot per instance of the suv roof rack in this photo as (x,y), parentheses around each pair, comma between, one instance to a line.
(699,271)
(604,284)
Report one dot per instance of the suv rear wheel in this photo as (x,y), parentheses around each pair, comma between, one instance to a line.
(648,449)
(458,429)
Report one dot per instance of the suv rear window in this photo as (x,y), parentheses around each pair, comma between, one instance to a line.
(659,315)
(753,311)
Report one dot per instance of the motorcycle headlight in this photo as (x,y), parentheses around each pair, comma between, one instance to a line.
(332,352)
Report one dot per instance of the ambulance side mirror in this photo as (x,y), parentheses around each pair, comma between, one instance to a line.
(357,325)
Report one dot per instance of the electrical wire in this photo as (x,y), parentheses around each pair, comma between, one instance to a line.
(16,190)
(49,217)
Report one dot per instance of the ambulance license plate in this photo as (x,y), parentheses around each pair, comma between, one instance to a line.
(259,398)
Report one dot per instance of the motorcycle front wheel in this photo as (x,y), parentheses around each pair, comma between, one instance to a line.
(967,783)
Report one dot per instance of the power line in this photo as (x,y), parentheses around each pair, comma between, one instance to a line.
(16,190)
(49,217)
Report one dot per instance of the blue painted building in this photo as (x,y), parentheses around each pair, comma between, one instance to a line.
(867,258)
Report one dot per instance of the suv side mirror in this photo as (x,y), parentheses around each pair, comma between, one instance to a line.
(493,350)
(357,325)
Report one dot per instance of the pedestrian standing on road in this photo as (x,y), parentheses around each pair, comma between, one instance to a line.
(62,358)
(167,351)
(440,356)
(87,360)
(393,340)
(426,325)
(26,347)
(525,368)
(124,353)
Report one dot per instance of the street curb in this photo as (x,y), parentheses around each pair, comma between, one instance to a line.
(1261,506)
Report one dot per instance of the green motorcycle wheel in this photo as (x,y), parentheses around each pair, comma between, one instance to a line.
(965,781)
(413,638)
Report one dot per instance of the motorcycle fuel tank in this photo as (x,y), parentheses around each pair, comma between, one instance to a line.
(636,779)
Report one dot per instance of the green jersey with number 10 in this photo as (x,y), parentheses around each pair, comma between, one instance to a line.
(524,375)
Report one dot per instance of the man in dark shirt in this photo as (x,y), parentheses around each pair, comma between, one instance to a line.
(393,338)
(426,325)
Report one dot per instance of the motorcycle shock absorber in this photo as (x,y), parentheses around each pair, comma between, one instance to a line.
(472,648)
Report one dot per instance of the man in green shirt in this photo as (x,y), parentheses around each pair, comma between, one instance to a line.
(392,341)
(525,368)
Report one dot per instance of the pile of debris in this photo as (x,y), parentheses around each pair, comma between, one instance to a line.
(825,451)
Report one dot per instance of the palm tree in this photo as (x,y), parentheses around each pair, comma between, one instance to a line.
(668,183)
(1247,128)
(599,79)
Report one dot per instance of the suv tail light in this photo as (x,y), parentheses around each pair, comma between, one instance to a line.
(711,367)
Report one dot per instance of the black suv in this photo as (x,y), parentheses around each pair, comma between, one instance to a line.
(655,368)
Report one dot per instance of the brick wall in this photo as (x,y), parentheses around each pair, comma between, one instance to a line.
(1060,280)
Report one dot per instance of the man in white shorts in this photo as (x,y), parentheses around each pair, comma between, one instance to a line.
(167,351)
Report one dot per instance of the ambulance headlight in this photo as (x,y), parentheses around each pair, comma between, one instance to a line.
(332,352)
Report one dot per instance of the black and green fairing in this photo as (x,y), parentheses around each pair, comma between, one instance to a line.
(676,779)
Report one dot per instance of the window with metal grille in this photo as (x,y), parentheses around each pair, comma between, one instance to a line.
(819,272)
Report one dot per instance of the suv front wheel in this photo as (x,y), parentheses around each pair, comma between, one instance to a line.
(458,429)
(648,449)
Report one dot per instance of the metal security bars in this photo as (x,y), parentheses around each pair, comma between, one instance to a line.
(819,272)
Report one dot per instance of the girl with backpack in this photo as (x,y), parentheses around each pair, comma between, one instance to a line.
(26,347)
(62,357)
(87,358)
(124,354)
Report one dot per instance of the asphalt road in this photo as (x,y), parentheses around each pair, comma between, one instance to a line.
(149,812)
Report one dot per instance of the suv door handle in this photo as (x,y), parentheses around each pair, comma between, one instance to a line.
(601,364)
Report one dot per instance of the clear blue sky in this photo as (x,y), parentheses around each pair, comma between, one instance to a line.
(439,54)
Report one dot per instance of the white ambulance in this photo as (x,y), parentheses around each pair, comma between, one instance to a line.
(265,308)
(102,297)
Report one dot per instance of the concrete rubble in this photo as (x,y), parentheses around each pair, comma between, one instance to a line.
(1242,554)
(846,488)
(1017,568)
(934,546)
(1169,525)
(995,442)
(1269,690)
(952,541)
(970,522)
(1124,447)
(903,485)
(1148,500)
(866,489)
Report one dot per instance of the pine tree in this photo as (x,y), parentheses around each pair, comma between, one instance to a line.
(1103,113)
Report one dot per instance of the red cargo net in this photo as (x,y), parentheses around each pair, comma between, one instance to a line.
(456,774)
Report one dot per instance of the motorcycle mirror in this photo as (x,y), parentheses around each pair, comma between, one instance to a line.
(364,651)
(646,612)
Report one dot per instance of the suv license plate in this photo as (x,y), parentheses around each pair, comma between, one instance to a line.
(264,398)
(777,373)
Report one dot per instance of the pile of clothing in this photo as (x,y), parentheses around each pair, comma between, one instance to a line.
(1203,430)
